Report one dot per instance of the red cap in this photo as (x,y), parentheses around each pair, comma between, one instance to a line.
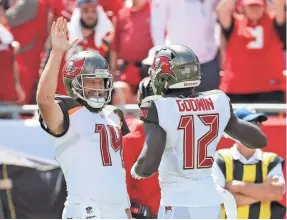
(253,2)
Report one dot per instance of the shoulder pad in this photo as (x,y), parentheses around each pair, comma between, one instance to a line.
(148,110)
(67,102)
(151,98)
(211,92)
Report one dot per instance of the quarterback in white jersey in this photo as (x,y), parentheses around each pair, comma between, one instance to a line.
(182,129)
(87,133)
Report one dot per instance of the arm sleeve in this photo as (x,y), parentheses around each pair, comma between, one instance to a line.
(281,31)
(228,31)
(65,109)
(22,12)
(66,103)
(148,112)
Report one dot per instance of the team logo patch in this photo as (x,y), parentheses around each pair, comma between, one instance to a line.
(73,68)
(167,208)
(163,63)
(143,113)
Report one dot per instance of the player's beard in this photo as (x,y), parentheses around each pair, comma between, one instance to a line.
(88,26)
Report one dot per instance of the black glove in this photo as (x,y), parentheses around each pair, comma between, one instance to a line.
(141,212)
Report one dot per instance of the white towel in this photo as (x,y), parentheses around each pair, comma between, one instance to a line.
(103,26)
(5,36)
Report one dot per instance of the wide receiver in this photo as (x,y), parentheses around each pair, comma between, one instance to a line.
(182,129)
(87,133)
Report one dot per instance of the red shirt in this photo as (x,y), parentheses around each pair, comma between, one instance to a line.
(112,5)
(87,44)
(132,38)
(254,59)
(146,191)
(62,8)
(65,7)
(7,85)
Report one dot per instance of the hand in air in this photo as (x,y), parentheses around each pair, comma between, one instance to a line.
(60,42)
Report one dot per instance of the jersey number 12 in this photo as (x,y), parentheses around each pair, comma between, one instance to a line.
(187,125)
(116,142)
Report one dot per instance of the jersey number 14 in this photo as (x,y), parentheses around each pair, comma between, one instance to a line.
(116,142)
(189,157)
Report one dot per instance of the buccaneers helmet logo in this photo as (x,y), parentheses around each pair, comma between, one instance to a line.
(73,68)
(164,64)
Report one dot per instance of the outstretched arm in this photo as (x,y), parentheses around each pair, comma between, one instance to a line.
(246,133)
(150,157)
(49,108)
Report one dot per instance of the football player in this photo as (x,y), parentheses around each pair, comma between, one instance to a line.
(87,133)
(182,129)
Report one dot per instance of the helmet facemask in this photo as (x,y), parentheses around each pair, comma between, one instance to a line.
(95,98)
(160,82)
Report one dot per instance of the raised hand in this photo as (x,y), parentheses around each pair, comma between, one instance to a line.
(60,42)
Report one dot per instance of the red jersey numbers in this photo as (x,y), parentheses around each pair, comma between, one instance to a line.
(116,142)
(199,160)
(143,113)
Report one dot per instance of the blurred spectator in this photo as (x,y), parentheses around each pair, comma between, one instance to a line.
(132,42)
(254,61)
(64,8)
(10,88)
(112,5)
(190,23)
(144,194)
(90,24)
(28,22)
(122,94)
(254,177)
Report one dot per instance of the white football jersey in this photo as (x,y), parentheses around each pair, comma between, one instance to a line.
(89,154)
(194,127)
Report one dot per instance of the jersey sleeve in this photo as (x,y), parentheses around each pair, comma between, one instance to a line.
(22,12)
(275,162)
(124,126)
(148,111)
(227,32)
(67,105)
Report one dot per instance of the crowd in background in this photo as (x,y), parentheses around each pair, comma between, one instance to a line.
(240,44)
